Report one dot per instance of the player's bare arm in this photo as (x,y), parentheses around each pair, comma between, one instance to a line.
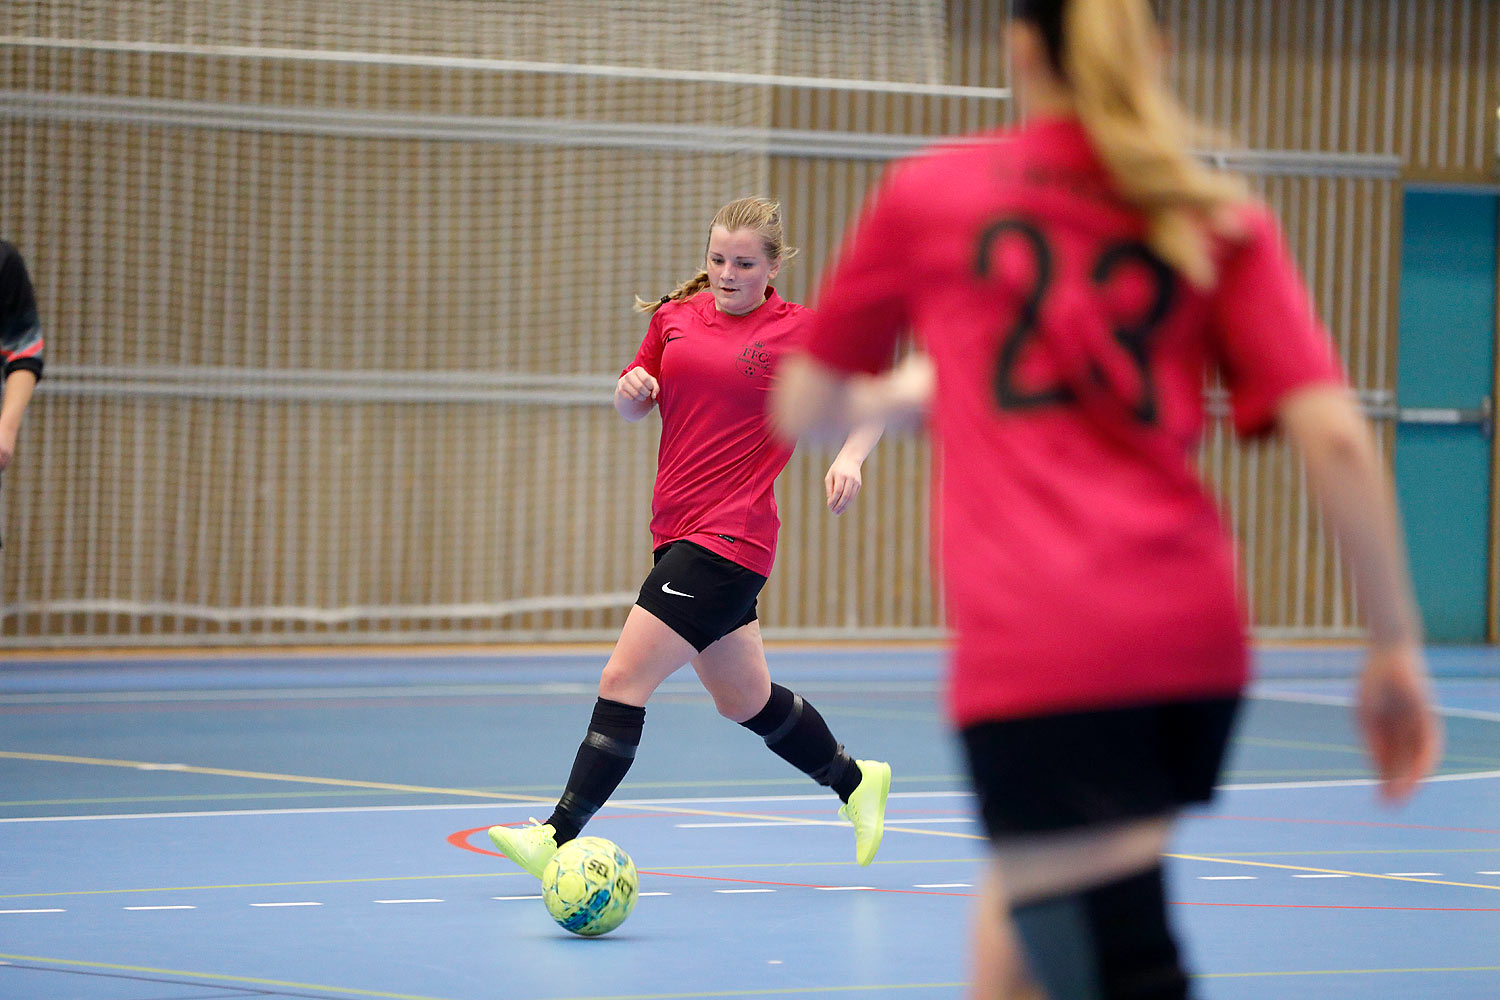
(1346,474)
(635,394)
(845,477)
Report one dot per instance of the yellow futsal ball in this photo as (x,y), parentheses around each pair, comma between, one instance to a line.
(589,886)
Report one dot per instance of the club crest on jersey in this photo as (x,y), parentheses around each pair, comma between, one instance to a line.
(754,360)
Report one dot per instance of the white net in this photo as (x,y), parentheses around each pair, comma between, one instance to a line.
(335,293)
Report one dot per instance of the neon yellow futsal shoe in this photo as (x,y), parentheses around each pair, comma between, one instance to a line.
(866,808)
(531,847)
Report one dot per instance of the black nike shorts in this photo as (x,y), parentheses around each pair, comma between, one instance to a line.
(699,594)
(1061,772)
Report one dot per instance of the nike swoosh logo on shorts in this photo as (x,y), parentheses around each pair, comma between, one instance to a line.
(666,588)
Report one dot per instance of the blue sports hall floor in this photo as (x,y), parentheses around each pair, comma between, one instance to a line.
(312,825)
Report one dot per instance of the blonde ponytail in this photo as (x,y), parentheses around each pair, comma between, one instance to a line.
(686,290)
(760,215)
(1109,60)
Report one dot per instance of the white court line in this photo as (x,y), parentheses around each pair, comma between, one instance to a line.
(1487,873)
(504,898)
(1344,702)
(179,907)
(740,892)
(414,692)
(899,821)
(408,900)
(302,903)
(33,911)
(718,800)
(1321,875)
(490,806)
(943,885)
(640,894)
(818,822)
(209,814)
(1414,874)
(1275,786)
(842,888)
(1228,878)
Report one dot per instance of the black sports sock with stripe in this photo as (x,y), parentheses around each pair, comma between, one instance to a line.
(602,761)
(1109,942)
(797,734)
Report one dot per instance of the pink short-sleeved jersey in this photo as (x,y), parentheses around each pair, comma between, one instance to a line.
(718,461)
(1086,566)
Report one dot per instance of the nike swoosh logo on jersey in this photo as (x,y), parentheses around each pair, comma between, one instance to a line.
(666,588)
(678,337)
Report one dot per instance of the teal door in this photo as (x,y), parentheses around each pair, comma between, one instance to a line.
(1444,387)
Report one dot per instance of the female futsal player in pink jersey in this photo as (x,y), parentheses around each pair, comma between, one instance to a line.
(1072,283)
(707,363)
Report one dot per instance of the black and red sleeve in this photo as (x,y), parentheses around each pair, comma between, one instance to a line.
(21,341)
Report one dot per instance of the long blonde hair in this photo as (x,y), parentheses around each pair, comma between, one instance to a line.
(1106,52)
(760,215)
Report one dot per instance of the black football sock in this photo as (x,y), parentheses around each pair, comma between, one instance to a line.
(797,734)
(1110,942)
(603,758)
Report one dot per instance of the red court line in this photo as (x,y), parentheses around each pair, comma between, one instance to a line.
(460,839)
(285,702)
(1351,822)
(456,839)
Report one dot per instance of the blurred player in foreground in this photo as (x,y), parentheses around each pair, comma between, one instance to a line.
(1072,282)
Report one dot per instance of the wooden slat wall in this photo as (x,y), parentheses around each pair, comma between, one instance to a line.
(179,499)
(1417,78)
(1411,78)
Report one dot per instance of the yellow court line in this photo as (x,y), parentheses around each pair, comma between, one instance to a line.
(78,963)
(717,784)
(674,809)
(700,995)
(664,870)
(671,869)
(1331,871)
(1340,972)
(423,789)
(143,765)
(253,885)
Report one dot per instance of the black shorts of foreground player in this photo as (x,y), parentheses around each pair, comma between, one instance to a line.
(707,364)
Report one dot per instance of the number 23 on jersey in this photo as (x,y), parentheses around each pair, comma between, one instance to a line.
(1135,335)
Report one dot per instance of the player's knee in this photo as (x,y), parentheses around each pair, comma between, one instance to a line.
(619,682)
(738,706)
(1110,942)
